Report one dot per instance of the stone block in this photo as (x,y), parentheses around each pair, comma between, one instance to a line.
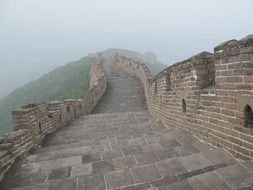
(79,170)
(145,173)
(117,179)
(207,181)
(171,167)
(124,162)
(91,182)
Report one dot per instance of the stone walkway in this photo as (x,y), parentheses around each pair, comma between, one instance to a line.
(120,146)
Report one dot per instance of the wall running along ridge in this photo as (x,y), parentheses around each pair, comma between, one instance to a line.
(33,122)
(210,95)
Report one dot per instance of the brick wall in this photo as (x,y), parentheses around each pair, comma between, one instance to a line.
(33,121)
(210,95)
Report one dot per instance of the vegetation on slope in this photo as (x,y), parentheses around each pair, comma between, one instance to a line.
(69,81)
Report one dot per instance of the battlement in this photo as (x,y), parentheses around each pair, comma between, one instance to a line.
(235,47)
(211,95)
(33,121)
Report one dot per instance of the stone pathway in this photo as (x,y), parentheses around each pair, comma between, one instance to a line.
(121,147)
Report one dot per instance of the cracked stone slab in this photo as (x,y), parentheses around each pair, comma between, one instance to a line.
(29,174)
(43,186)
(117,179)
(124,162)
(131,150)
(91,157)
(169,143)
(171,167)
(143,186)
(60,163)
(93,182)
(151,147)
(145,173)
(186,149)
(248,165)
(63,153)
(179,185)
(207,181)
(218,156)
(102,167)
(165,153)
(164,181)
(109,155)
(235,176)
(66,184)
(131,142)
(59,173)
(145,158)
(195,161)
(79,170)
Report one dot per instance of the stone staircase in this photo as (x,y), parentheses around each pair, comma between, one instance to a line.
(120,146)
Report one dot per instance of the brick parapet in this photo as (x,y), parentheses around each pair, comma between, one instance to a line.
(211,95)
(32,122)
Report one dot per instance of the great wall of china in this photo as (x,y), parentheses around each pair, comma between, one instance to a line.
(208,95)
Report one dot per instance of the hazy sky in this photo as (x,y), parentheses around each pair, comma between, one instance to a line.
(37,35)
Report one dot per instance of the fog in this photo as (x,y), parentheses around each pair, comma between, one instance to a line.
(38,35)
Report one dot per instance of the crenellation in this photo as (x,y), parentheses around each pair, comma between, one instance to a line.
(207,95)
(33,121)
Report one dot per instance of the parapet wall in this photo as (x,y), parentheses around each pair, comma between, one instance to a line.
(210,95)
(33,121)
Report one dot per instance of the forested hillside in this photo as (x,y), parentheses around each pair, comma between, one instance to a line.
(69,81)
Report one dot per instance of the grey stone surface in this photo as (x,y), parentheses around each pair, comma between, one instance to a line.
(91,157)
(218,156)
(124,162)
(59,173)
(186,149)
(123,94)
(165,154)
(109,155)
(248,165)
(102,167)
(151,147)
(66,184)
(143,186)
(93,182)
(53,155)
(131,150)
(179,185)
(145,158)
(171,167)
(44,186)
(117,179)
(79,170)
(145,173)
(60,163)
(168,143)
(235,176)
(207,181)
(94,152)
(195,161)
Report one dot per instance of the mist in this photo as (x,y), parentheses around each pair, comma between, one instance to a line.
(38,35)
